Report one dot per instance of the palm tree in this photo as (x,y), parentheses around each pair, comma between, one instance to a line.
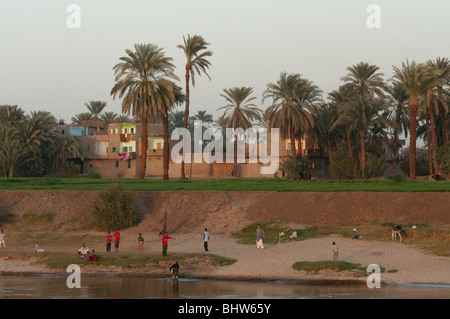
(95,108)
(140,75)
(364,78)
(413,78)
(342,98)
(10,115)
(398,114)
(239,112)
(442,66)
(80,118)
(203,116)
(366,114)
(292,96)
(195,50)
(68,145)
(109,117)
(173,98)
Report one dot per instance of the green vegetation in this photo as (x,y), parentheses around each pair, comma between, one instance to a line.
(316,266)
(34,219)
(114,209)
(59,260)
(263,184)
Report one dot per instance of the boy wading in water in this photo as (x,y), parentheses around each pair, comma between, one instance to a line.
(174,269)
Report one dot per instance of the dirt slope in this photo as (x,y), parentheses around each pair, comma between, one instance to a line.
(227,212)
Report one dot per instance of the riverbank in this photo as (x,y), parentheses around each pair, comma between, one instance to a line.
(402,264)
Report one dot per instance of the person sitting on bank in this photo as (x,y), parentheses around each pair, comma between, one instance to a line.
(293,235)
(93,256)
(37,248)
(83,251)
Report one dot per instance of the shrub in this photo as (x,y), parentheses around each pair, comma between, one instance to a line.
(114,209)
(443,159)
(422,168)
(300,169)
(398,178)
(340,165)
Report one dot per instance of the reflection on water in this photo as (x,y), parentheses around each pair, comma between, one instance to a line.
(138,288)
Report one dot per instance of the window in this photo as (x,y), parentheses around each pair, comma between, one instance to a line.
(102,164)
(132,130)
(129,164)
(114,149)
(117,163)
(124,149)
(88,147)
(130,149)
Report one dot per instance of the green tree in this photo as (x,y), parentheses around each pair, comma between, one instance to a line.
(114,209)
(195,50)
(95,108)
(240,112)
(139,75)
(413,78)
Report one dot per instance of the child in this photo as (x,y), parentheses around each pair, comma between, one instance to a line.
(37,248)
(93,257)
(141,243)
(335,252)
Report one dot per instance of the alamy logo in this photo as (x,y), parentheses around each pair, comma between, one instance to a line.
(210,142)
(74,19)
(374,279)
(74,279)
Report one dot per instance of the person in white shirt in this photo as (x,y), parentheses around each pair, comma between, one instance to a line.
(205,239)
(83,251)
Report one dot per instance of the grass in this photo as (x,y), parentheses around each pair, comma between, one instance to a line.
(316,266)
(61,261)
(262,184)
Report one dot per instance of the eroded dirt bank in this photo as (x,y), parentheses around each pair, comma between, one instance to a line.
(227,212)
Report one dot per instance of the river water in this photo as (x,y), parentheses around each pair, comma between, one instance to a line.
(110,287)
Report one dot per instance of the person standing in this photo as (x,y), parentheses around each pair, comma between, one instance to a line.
(165,239)
(259,236)
(335,251)
(141,243)
(2,239)
(205,239)
(108,242)
(116,240)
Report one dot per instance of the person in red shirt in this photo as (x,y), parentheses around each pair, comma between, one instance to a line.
(108,242)
(93,257)
(164,244)
(116,236)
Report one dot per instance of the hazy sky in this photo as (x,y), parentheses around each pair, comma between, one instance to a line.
(44,65)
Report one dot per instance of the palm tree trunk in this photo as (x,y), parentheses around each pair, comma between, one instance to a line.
(144,146)
(166,147)
(363,155)
(433,141)
(394,151)
(430,162)
(413,104)
(443,115)
(347,129)
(186,117)
(292,136)
(11,173)
(235,170)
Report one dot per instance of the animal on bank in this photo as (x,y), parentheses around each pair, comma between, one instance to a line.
(397,230)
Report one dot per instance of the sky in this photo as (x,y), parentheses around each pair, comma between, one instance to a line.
(45,65)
